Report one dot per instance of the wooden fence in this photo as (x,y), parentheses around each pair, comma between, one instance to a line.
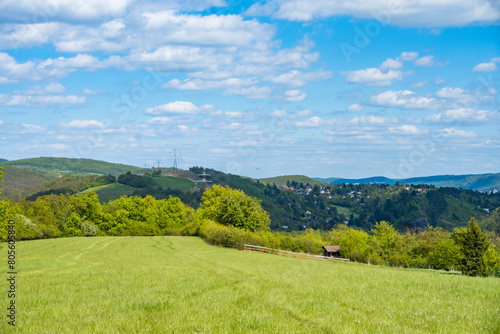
(260,249)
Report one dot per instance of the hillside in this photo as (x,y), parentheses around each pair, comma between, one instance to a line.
(361,205)
(110,192)
(71,167)
(161,184)
(483,182)
(16,180)
(160,283)
(283,180)
(471,182)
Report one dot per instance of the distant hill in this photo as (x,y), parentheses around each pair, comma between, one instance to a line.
(70,166)
(482,182)
(16,180)
(282,180)
(3,160)
(368,180)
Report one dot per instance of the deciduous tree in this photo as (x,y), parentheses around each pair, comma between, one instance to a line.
(233,207)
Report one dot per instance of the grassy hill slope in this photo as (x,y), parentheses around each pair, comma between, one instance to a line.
(114,191)
(110,192)
(70,166)
(174,183)
(182,285)
(282,180)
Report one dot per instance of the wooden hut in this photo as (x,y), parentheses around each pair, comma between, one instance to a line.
(332,251)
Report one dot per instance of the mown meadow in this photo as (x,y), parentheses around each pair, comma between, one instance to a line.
(168,284)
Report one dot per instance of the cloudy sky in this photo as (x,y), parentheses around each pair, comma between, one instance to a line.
(341,88)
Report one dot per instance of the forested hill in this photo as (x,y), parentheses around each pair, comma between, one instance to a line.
(16,180)
(482,182)
(70,166)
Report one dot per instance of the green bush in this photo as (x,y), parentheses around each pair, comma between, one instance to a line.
(25,228)
(446,256)
(88,229)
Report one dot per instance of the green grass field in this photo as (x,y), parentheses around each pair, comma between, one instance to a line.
(342,210)
(182,285)
(110,192)
(174,182)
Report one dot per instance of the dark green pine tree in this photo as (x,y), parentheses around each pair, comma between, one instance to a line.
(473,244)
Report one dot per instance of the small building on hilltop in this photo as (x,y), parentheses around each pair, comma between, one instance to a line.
(332,251)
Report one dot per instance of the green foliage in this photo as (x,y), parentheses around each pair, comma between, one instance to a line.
(386,238)
(232,207)
(136,181)
(473,245)
(71,227)
(146,216)
(88,229)
(446,255)
(25,228)
(4,217)
(354,245)
(491,257)
(88,207)
(1,178)
(173,214)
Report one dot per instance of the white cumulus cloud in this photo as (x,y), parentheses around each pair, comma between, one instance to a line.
(464,114)
(312,122)
(373,120)
(355,107)
(177,107)
(403,98)
(485,67)
(426,61)
(39,100)
(373,76)
(294,95)
(406,130)
(408,56)
(391,64)
(451,132)
(83,124)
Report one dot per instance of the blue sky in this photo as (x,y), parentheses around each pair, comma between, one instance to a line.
(325,88)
